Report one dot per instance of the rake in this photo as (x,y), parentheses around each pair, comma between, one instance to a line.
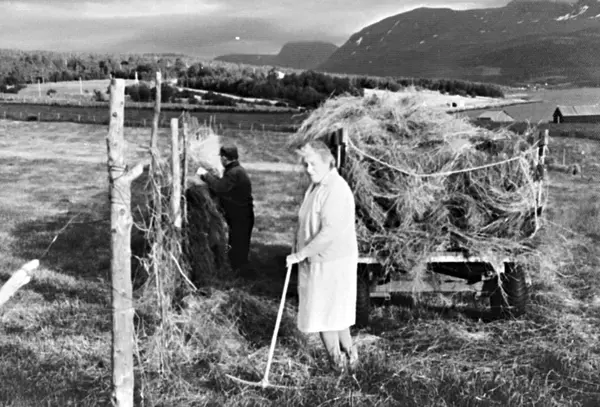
(264,383)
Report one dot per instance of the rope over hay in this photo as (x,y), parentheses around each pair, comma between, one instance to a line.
(440,174)
(426,181)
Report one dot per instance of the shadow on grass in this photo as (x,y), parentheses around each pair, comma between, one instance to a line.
(427,307)
(267,277)
(24,375)
(81,250)
(267,271)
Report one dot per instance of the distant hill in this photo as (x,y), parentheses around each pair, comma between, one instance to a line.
(525,41)
(298,55)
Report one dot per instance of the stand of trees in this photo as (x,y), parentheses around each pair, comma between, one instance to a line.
(307,89)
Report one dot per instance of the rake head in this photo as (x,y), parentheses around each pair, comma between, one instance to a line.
(264,383)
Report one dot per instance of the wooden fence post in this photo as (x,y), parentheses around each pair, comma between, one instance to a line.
(186,129)
(121,177)
(543,143)
(156,117)
(176,167)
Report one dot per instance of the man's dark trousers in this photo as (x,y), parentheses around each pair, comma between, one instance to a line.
(240,225)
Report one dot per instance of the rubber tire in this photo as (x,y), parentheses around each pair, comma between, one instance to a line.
(363,303)
(515,286)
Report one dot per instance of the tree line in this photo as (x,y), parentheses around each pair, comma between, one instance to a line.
(306,89)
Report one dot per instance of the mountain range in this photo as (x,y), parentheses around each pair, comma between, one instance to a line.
(299,55)
(523,42)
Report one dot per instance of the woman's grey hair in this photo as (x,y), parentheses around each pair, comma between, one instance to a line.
(320,148)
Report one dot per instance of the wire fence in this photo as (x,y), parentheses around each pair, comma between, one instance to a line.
(102,119)
(84,102)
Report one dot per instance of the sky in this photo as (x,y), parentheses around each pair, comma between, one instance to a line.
(202,28)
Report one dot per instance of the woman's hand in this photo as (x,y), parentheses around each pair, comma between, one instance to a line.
(292,259)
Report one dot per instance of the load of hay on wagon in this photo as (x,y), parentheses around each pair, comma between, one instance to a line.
(426,181)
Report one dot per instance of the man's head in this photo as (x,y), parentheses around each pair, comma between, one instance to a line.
(228,153)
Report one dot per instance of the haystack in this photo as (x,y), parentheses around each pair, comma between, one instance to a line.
(206,235)
(206,231)
(426,181)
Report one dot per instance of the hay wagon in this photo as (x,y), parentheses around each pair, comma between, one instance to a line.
(502,280)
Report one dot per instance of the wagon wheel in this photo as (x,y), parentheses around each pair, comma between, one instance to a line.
(510,298)
(363,300)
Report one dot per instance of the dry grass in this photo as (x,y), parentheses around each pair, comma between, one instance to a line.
(56,331)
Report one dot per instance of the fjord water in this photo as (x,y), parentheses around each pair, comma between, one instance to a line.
(542,112)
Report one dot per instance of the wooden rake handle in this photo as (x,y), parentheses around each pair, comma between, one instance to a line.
(265,380)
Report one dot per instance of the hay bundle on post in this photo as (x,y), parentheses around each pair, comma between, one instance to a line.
(205,228)
(168,280)
(426,181)
(181,249)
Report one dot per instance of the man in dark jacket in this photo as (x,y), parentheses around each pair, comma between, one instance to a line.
(234,190)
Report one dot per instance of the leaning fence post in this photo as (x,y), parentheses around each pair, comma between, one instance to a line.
(17,280)
(120,179)
(541,169)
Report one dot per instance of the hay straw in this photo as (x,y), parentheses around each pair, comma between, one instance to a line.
(179,260)
(228,332)
(426,181)
(204,146)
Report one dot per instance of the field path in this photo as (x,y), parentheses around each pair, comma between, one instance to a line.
(38,155)
(271,166)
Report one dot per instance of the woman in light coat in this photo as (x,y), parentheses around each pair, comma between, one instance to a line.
(326,251)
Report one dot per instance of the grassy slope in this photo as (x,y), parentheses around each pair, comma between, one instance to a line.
(55,333)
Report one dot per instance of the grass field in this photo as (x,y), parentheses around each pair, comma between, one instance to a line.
(68,89)
(55,333)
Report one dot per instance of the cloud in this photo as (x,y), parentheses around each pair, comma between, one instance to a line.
(109,8)
(205,28)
